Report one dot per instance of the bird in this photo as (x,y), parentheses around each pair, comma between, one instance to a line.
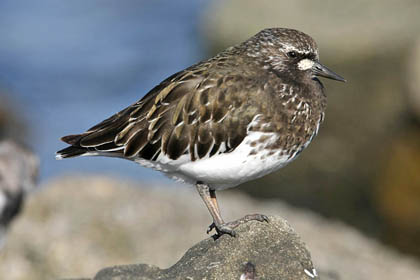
(19,170)
(235,117)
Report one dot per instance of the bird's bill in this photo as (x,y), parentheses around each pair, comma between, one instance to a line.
(320,70)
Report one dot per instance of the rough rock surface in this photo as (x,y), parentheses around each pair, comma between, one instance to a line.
(261,250)
(73,227)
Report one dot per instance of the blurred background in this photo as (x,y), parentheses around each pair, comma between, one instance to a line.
(67,65)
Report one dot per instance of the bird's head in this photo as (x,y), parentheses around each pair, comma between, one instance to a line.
(288,51)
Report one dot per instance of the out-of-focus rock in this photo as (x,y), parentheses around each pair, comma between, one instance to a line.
(261,250)
(370,45)
(398,190)
(413,81)
(11,124)
(75,226)
(346,28)
(18,175)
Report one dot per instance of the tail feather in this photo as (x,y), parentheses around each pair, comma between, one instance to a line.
(72,139)
(71,151)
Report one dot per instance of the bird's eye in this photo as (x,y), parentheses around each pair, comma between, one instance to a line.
(292,54)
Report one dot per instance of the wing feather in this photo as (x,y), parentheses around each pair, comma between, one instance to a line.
(189,113)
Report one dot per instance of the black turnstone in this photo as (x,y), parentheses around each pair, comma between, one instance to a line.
(18,176)
(235,117)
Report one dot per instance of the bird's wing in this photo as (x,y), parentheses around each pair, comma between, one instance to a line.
(192,112)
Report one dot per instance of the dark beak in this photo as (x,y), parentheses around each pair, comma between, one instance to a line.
(320,70)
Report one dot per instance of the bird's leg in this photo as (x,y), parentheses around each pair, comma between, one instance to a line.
(214,200)
(209,197)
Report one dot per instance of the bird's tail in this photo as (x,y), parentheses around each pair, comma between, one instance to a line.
(72,151)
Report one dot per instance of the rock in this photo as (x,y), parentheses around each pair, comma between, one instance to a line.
(12,124)
(397,191)
(412,80)
(97,222)
(347,26)
(261,250)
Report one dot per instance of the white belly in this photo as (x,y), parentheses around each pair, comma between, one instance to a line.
(225,170)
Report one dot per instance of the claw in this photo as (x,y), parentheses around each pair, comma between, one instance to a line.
(221,229)
(251,217)
(227,228)
(257,217)
(211,227)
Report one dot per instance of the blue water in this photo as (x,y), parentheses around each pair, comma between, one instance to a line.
(67,65)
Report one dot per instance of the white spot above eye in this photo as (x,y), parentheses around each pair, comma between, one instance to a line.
(305,64)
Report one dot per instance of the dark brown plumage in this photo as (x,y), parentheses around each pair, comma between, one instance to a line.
(261,95)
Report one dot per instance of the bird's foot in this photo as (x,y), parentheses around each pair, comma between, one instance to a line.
(221,229)
(227,228)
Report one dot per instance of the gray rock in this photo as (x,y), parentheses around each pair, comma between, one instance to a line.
(97,222)
(261,251)
(413,83)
